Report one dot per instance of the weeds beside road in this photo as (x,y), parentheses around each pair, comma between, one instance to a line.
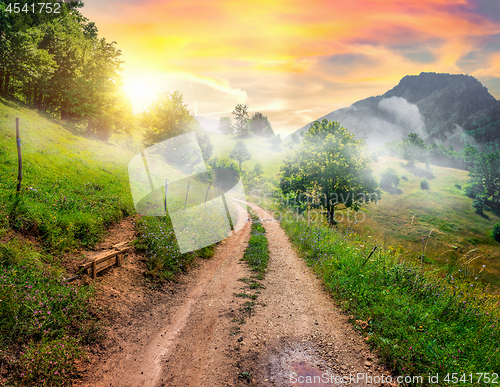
(419,322)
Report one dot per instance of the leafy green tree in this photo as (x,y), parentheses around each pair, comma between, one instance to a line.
(330,164)
(484,178)
(389,178)
(240,153)
(242,120)
(496,232)
(413,149)
(167,116)
(225,173)
(260,125)
(225,125)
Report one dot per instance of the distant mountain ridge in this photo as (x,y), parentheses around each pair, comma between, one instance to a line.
(448,108)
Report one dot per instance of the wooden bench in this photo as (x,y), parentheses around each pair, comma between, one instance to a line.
(104,260)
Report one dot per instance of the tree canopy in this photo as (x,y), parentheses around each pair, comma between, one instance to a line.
(168,116)
(240,153)
(260,125)
(329,168)
(413,149)
(56,63)
(225,125)
(242,119)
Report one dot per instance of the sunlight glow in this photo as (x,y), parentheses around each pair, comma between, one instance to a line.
(141,90)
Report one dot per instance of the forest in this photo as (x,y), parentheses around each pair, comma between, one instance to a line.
(58,64)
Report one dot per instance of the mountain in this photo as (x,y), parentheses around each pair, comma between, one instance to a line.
(448,108)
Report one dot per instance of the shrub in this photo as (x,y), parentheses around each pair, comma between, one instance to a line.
(424,184)
(478,205)
(404,177)
(496,232)
(458,186)
(389,178)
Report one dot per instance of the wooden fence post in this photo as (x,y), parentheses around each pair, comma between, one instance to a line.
(19,157)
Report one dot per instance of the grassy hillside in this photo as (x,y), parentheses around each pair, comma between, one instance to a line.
(259,148)
(407,213)
(73,188)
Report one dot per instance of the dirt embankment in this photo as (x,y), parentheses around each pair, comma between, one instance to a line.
(199,333)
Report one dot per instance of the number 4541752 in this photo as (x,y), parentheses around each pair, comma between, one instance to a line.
(484,377)
(34,7)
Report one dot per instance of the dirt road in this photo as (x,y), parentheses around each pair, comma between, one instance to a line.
(201,334)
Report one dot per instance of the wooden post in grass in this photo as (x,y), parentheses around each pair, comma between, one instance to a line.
(367,258)
(19,157)
(187,192)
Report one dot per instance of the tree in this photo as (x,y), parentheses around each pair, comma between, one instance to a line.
(225,173)
(242,120)
(240,153)
(496,232)
(260,125)
(329,165)
(389,178)
(413,149)
(225,125)
(484,178)
(167,116)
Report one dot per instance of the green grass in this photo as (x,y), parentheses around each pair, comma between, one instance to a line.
(419,322)
(44,321)
(156,239)
(259,148)
(401,218)
(73,188)
(257,252)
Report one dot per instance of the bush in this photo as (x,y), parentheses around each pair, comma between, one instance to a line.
(404,177)
(389,178)
(424,184)
(458,186)
(496,232)
(478,205)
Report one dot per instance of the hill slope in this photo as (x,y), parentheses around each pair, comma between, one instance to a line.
(406,214)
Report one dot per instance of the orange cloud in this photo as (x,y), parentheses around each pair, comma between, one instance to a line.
(237,47)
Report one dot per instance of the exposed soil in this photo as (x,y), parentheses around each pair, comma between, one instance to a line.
(199,333)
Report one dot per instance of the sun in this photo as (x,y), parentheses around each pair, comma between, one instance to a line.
(141,91)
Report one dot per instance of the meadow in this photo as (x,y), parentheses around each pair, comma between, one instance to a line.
(440,218)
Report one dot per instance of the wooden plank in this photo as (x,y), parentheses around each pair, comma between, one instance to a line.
(100,266)
(104,257)
(120,244)
(104,260)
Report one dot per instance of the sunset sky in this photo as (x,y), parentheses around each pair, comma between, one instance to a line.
(294,61)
